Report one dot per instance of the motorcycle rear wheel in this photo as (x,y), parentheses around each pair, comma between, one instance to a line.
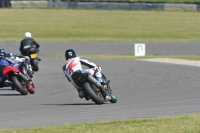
(19,87)
(93,95)
(34,64)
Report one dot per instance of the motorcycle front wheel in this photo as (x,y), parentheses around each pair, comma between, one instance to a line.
(113,97)
(31,88)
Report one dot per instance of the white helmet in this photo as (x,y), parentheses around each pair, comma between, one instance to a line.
(27,35)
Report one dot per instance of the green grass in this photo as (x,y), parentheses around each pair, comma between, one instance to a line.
(127,56)
(98,25)
(172,124)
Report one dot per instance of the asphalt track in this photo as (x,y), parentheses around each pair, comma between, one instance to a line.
(144,89)
(171,48)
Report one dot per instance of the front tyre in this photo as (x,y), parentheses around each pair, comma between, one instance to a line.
(92,94)
(31,88)
(18,86)
(113,97)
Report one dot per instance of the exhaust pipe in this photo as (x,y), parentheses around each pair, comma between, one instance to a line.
(94,81)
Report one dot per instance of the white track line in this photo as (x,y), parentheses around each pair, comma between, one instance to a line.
(174,61)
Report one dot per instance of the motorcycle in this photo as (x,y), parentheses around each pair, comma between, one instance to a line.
(25,63)
(95,87)
(31,51)
(18,75)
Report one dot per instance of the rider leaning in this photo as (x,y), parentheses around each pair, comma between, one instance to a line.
(73,64)
(4,61)
(9,59)
(28,41)
(15,57)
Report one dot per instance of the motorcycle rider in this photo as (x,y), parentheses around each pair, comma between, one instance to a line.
(17,57)
(28,41)
(8,59)
(73,64)
(3,64)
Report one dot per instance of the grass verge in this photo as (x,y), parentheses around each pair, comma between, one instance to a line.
(100,25)
(171,124)
(127,56)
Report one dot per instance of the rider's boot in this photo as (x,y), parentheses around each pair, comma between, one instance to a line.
(5,84)
(81,93)
(38,58)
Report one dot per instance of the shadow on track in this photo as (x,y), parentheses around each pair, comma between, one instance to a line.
(5,89)
(72,104)
(10,95)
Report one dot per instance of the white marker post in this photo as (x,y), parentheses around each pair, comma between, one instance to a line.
(140,49)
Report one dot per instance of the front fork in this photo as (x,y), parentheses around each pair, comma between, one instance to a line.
(106,91)
(109,91)
(26,79)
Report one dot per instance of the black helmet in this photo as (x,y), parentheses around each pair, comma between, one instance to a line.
(2,53)
(70,53)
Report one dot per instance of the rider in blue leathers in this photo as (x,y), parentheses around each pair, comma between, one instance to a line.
(3,63)
(8,59)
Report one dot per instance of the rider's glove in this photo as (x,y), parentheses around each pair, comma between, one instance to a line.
(99,68)
(11,54)
(27,59)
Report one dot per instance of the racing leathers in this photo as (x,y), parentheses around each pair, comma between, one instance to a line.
(3,63)
(27,42)
(6,61)
(74,64)
(20,58)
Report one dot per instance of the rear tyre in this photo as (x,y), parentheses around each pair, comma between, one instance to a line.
(34,64)
(93,95)
(19,86)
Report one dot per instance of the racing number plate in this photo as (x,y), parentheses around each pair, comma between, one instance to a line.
(33,56)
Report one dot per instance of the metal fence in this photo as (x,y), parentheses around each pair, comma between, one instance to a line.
(134,1)
(5,3)
(76,4)
(121,1)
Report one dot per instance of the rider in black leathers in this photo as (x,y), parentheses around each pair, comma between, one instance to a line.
(28,41)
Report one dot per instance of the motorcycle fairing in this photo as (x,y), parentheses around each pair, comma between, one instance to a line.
(80,77)
(8,69)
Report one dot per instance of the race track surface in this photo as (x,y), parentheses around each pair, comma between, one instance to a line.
(171,48)
(144,89)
